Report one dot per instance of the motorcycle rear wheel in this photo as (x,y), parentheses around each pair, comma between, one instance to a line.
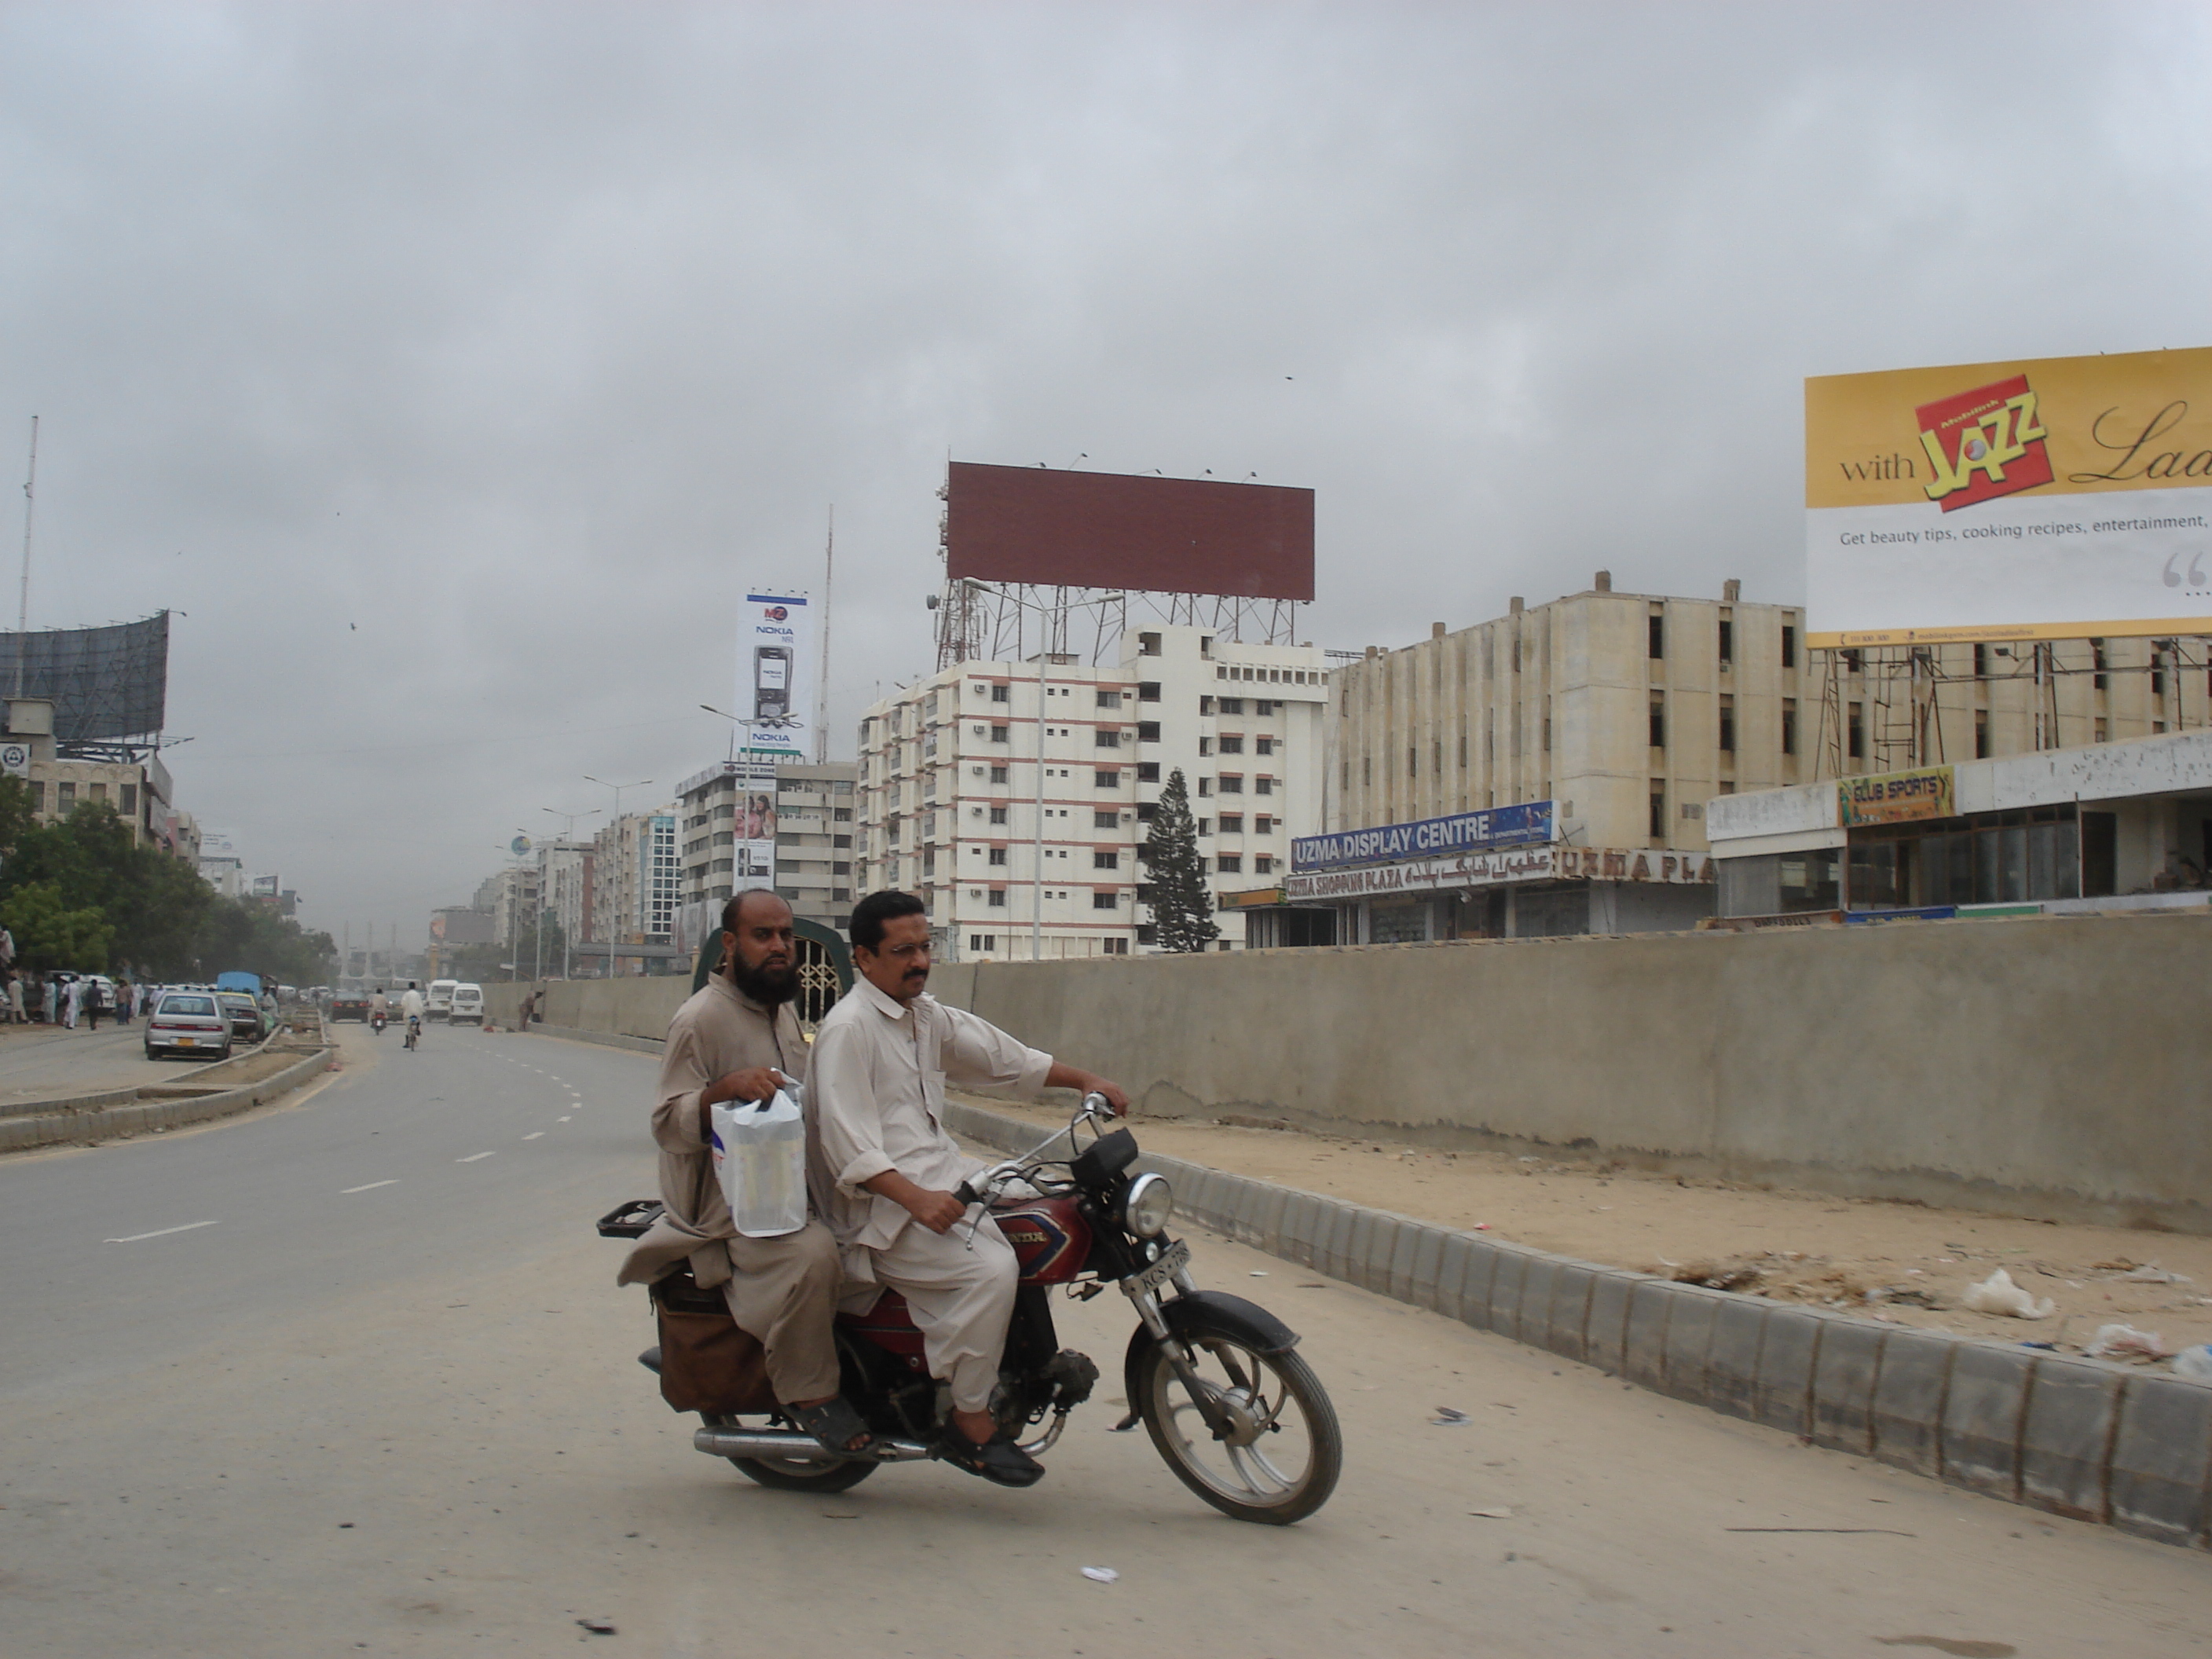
(796,1474)
(1254,1475)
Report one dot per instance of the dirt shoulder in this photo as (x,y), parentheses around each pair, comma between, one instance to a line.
(1902,1264)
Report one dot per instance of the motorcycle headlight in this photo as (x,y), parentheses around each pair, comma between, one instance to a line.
(1150,1203)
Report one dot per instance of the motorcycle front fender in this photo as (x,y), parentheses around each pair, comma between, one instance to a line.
(1207,1312)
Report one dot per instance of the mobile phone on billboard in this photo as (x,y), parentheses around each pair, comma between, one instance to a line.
(771,682)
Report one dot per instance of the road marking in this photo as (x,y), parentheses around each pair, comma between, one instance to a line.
(533,1134)
(163,1233)
(371,1187)
(473,1157)
(560,1120)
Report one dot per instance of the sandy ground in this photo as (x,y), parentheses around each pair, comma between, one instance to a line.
(1900,1263)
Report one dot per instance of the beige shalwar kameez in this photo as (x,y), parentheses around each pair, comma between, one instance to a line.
(783,1291)
(875,1103)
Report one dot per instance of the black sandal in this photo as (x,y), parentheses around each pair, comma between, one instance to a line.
(998,1459)
(836,1426)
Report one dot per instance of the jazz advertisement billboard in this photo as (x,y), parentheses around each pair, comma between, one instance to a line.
(2056,498)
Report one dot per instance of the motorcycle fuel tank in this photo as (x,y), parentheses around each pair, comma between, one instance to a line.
(1049,1235)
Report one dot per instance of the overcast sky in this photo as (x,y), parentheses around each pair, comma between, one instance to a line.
(456,367)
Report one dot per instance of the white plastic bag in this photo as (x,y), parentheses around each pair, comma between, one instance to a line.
(1997,1294)
(2195,1363)
(760,1158)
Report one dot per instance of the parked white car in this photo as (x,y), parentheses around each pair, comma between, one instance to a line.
(441,999)
(468,1005)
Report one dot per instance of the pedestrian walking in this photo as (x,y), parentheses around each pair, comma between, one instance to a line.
(15,1014)
(72,1000)
(49,1000)
(125,994)
(96,1000)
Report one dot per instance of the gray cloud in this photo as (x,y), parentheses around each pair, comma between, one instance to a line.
(455,368)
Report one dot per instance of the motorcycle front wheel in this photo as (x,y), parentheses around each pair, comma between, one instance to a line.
(801,1474)
(1281,1458)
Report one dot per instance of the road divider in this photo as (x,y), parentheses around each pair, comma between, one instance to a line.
(119,1115)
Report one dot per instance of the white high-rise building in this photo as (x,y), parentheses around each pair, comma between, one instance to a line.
(950,804)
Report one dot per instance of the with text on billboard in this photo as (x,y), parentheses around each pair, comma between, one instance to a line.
(2058,498)
(1020,524)
(776,668)
(1528,823)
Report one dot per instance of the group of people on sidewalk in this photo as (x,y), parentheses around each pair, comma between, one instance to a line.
(882,1169)
(60,1002)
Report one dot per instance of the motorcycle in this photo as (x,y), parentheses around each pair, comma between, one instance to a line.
(1237,1415)
(376,1023)
(413,1029)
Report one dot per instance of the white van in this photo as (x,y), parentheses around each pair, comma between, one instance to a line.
(441,998)
(468,1005)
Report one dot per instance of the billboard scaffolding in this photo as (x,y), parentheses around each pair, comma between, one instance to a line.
(109,685)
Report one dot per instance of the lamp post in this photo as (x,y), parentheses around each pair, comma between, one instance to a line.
(614,823)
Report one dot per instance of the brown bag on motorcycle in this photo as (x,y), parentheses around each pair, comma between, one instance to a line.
(707,1363)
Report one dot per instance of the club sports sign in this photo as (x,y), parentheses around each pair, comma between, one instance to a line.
(2062,498)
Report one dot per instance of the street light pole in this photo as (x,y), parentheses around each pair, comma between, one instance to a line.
(1037,891)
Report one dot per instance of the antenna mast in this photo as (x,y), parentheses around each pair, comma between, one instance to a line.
(23,593)
(822,701)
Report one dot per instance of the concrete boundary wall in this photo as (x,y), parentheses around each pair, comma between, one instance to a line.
(2051,1068)
(139,1112)
(2096,1441)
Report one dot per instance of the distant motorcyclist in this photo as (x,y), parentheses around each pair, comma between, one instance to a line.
(379,1005)
(412,1009)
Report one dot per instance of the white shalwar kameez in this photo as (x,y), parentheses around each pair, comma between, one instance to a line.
(875,1101)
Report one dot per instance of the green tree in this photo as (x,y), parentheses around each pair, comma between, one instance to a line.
(1183,908)
(15,819)
(51,933)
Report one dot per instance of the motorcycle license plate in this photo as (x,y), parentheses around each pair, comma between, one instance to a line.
(1161,1271)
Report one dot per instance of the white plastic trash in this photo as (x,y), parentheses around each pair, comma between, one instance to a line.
(2195,1363)
(760,1158)
(1997,1294)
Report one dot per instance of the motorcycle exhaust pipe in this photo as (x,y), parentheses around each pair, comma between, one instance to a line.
(790,1444)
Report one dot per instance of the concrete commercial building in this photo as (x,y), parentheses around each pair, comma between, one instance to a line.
(1012,796)
(564,886)
(139,790)
(808,817)
(637,885)
(511,898)
(2107,826)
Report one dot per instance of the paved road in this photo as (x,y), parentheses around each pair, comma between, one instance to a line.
(352,1376)
(39,1063)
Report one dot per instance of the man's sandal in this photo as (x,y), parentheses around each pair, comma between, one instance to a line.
(836,1426)
(998,1459)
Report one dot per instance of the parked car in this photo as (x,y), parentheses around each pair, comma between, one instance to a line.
(441,999)
(468,1005)
(189,1023)
(247,1023)
(350,1005)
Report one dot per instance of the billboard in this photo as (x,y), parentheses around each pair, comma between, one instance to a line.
(776,668)
(104,682)
(1014,524)
(2058,498)
(1528,823)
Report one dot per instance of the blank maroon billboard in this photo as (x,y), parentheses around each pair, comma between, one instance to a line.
(1017,524)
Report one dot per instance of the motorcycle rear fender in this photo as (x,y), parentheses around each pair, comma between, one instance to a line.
(1216,1311)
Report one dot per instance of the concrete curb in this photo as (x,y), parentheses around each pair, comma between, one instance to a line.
(2079,1437)
(137,1115)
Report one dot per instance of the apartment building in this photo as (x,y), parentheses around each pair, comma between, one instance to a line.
(564,869)
(140,791)
(1012,796)
(637,884)
(807,816)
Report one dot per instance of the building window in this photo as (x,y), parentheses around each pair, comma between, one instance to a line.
(1233,783)
(1413,761)
(1105,737)
(1109,699)
(1981,662)
(1206,826)
(2157,677)
(1106,820)
(1205,745)
(1264,706)
(1263,786)
(1728,726)
(1790,726)
(1148,771)
(998,855)
(1727,639)
(1148,691)
(1100,860)
(1263,746)
(1658,825)
(1854,738)
(998,899)
(1232,824)
(2104,731)
(1263,825)
(1205,707)
(1002,694)
(1114,947)
(1231,744)
(998,815)
(129,794)
(1263,864)
(1231,864)
(1658,721)
(2098,682)
(1788,647)
(982,941)
(997,774)
(65,799)
(1105,901)
(1146,811)
(1232,705)
(1148,645)
(1656,645)
(1106,780)
(998,734)
(1148,731)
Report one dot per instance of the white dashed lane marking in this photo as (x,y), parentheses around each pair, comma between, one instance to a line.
(162,1232)
(533,1134)
(473,1157)
(371,1187)
(560,1120)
